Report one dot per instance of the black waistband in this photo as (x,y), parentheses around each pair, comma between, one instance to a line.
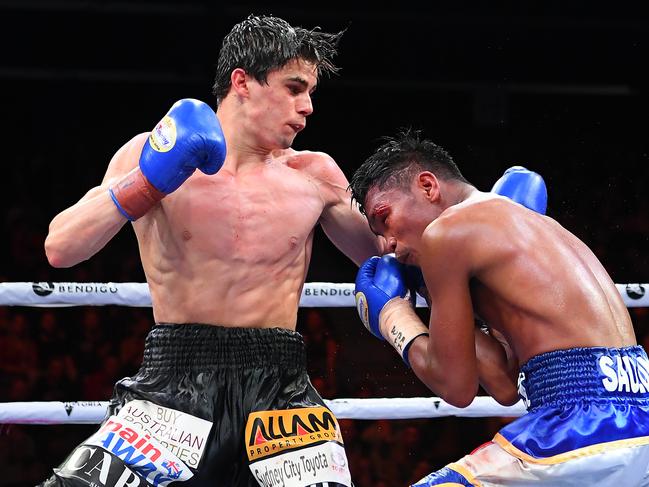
(197,345)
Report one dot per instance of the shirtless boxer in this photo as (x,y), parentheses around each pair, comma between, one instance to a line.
(555,321)
(222,397)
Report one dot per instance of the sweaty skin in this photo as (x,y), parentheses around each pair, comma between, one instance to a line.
(231,249)
(536,285)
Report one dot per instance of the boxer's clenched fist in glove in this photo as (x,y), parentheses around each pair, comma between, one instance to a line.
(189,137)
(379,281)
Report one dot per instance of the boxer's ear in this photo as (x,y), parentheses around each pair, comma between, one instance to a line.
(239,82)
(428,184)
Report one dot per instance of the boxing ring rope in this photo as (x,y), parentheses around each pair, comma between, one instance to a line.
(314,294)
(89,412)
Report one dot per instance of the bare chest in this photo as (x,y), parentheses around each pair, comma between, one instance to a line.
(268,217)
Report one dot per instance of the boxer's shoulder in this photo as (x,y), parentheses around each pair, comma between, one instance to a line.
(312,165)
(125,158)
(312,162)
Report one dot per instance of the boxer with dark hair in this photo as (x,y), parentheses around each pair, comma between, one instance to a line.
(222,397)
(553,320)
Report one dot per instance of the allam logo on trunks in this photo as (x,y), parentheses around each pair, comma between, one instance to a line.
(624,373)
(268,432)
(140,452)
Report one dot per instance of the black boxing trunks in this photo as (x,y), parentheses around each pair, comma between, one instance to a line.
(214,406)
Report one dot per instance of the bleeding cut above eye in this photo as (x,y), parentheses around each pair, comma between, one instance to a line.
(381,213)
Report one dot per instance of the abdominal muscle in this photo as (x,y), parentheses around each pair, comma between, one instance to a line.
(220,294)
(221,253)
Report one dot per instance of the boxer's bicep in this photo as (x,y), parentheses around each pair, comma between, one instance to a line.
(81,230)
(126,158)
(341,219)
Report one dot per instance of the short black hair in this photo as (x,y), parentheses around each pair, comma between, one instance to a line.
(397,160)
(260,44)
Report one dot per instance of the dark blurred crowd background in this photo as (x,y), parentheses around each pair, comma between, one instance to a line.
(559,88)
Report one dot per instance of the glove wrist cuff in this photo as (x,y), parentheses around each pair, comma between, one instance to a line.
(400,325)
(134,195)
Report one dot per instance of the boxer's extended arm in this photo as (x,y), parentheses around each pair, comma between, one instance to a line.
(142,173)
(341,220)
(80,231)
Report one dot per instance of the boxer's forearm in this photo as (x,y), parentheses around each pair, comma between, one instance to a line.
(427,367)
(79,232)
(497,370)
(400,326)
(449,372)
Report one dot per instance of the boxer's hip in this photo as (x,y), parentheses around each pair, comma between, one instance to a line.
(201,387)
(189,347)
(581,398)
(587,424)
(204,368)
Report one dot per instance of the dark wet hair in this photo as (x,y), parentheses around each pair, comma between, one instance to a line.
(261,44)
(398,160)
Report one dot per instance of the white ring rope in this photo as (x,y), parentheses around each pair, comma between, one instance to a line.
(314,294)
(92,412)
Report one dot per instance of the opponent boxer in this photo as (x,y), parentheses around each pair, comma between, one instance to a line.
(555,321)
(222,397)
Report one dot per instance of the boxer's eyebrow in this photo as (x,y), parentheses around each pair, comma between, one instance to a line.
(377,211)
(304,83)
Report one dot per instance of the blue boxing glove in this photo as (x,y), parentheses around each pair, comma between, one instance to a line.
(188,137)
(380,280)
(523,186)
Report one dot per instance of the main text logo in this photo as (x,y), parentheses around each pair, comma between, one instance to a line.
(268,432)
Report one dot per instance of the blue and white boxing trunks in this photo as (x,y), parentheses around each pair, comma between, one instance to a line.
(587,424)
